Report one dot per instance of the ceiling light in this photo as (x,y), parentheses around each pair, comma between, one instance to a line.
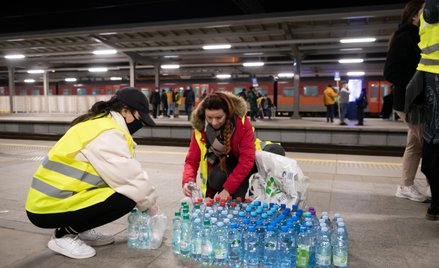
(14,56)
(350,61)
(115,78)
(223,76)
(253,53)
(105,52)
(170,66)
(355,73)
(285,75)
(358,40)
(70,79)
(29,80)
(98,70)
(109,33)
(219,46)
(253,64)
(170,56)
(35,71)
(351,49)
(15,40)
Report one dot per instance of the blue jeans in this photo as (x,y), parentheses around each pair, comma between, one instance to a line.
(343,111)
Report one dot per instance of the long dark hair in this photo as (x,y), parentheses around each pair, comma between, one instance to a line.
(100,109)
(220,101)
(411,9)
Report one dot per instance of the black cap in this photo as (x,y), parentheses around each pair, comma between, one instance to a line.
(135,99)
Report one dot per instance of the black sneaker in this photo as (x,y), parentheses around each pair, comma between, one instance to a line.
(432,214)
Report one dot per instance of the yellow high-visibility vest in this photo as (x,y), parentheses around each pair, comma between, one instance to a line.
(429,46)
(62,183)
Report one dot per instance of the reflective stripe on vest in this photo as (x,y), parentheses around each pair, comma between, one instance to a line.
(63,183)
(430,49)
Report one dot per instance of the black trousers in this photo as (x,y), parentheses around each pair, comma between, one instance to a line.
(330,113)
(430,168)
(88,218)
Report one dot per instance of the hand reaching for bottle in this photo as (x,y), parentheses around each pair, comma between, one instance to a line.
(186,190)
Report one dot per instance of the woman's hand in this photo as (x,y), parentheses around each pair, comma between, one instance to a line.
(186,191)
(223,194)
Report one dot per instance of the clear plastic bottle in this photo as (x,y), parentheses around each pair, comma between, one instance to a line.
(220,244)
(251,244)
(323,248)
(270,247)
(176,232)
(340,249)
(196,239)
(133,228)
(144,237)
(303,248)
(206,244)
(195,190)
(185,236)
(285,248)
(234,246)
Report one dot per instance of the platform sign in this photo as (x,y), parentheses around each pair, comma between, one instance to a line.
(336,76)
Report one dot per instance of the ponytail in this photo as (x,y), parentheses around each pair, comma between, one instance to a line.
(100,109)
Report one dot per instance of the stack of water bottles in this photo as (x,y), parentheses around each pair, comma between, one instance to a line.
(240,232)
(144,231)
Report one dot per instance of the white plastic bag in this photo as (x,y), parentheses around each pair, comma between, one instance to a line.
(157,223)
(279,180)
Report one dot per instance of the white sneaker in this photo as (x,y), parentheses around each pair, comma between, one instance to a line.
(410,192)
(94,238)
(71,246)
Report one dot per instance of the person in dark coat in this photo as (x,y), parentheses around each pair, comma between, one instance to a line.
(155,101)
(189,101)
(361,103)
(164,99)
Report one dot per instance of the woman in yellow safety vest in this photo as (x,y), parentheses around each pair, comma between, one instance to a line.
(90,176)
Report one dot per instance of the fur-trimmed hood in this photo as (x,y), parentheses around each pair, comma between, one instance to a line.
(240,110)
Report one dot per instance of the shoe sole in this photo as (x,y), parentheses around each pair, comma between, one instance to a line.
(411,198)
(98,243)
(54,246)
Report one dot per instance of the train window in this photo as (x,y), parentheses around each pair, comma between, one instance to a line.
(146,92)
(385,89)
(238,90)
(109,91)
(50,92)
(35,92)
(23,92)
(373,91)
(94,92)
(262,90)
(81,91)
(289,92)
(66,91)
(310,91)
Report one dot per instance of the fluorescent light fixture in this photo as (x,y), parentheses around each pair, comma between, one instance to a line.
(170,66)
(218,46)
(351,49)
(284,75)
(115,78)
(35,71)
(223,76)
(15,40)
(29,80)
(109,33)
(253,53)
(355,73)
(350,60)
(105,52)
(70,79)
(170,56)
(14,56)
(358,40)
(98,70)
(253,64)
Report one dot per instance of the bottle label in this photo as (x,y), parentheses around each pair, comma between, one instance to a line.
(220,253)
(302,259)
(324,260)
(206,250)
(340,260)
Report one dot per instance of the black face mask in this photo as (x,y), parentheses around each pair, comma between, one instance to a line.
(135,125)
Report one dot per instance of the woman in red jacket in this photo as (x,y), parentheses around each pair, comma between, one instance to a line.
(222,146)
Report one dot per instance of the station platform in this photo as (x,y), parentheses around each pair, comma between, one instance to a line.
(310,132)
(384,231)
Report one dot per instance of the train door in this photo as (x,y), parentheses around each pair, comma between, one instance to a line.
(376,91)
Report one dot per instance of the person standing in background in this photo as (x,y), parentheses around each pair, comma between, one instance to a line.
(429,67)
(252,100)
(344,102)
(171,102)
(164,99)
(189,101)
(155,101)
(329,96)
(361,103)
(402,58)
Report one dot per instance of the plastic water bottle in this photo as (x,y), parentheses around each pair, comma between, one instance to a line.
(340,249)
(220,244)
(176,232)
(323,249)
(285,248)
(196,239)
(144,238)
(250,252)
(133,228)
(206,244)
(270,247)
(185,236)
(303,248)
(234,246)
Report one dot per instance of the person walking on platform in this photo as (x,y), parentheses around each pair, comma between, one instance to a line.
(402,58)
(344,102)
(155,101)
(329,96)
(425,83)
(90,176)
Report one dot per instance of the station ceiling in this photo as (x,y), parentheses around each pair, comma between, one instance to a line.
(286,36)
